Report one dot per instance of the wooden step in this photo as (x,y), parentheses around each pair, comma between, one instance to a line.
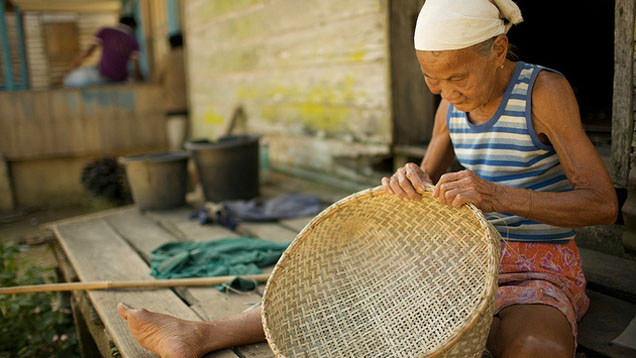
(609,274)
(605,320)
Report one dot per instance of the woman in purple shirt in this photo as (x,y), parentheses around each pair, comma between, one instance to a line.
(118,45)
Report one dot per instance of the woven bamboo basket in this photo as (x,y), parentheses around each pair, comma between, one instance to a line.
(374,276)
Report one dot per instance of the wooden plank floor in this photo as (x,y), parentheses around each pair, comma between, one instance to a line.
(115,244)
(98,253)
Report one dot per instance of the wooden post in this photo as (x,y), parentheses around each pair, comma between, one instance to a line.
(24,74)
(629,211)
(622,108)
(6,55)
(7,203)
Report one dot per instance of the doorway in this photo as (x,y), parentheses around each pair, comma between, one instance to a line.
(574,38)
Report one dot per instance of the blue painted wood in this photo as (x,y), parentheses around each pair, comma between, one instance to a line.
(8,73)
(139,34)
(174,25)
(128,6)
(24,74)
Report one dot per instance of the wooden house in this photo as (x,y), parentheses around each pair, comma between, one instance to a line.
(336,89)
(330,82)
(48,132)
(334,86)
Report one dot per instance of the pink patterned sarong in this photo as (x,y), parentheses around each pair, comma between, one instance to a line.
(548,274)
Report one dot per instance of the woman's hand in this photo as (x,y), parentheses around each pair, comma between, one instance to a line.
(458,188)
(408,183)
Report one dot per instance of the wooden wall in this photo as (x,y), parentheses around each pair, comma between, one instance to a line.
(13,49)
(73,122)
(314,75)
(414,106)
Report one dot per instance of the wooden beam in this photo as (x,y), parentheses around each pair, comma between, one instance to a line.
(622,122)
(68,5)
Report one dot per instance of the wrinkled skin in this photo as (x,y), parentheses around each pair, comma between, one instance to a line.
(171,337)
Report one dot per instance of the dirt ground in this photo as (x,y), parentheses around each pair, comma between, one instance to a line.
(26,229)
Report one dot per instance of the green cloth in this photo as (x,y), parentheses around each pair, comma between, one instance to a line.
(224,257)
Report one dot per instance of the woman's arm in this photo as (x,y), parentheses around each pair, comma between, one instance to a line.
(556,119)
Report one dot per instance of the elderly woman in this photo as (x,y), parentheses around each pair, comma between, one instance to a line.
(516,129)
(530,167)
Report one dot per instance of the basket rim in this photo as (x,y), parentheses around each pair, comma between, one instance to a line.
(483,303)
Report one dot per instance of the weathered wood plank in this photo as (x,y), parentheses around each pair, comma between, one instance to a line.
(363,44)
(8,124)
(104,109)
(413,103)
(226,353)
(28,124)
(141,232)
(617,278)
(149,129)
(307,80)
(66,118)
(267,231)
(606,318)
(622,108)
(98,253)
(178,223)
(283,183)
(87,217)
(145,234)
(209,20)
(90,121)
(259,350)
(336,100)
(93,120)
(7,200)
(89,330)
(296,224)
(123,98)
(207,302)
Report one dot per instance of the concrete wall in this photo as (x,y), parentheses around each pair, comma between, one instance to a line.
(313,76)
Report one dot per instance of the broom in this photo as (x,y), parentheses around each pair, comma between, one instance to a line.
(109,285)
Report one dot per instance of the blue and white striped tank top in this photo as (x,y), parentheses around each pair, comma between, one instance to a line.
(507,151)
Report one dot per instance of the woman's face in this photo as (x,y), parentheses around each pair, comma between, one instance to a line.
(464,78)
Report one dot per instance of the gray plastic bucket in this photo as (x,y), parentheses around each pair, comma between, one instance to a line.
(227,168)
(157,180)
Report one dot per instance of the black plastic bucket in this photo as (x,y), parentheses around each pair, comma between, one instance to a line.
(157,180)
(227,168)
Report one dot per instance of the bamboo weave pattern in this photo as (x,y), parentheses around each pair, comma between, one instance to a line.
(373,276)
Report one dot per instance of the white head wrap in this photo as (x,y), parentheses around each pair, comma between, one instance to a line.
(456,24)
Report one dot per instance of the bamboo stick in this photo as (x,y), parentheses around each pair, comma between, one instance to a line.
(108,285)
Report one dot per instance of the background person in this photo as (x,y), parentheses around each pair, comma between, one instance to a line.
(118,46)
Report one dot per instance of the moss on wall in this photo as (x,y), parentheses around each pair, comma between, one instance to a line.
(315,69)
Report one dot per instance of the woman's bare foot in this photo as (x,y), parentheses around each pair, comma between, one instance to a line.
(166,336)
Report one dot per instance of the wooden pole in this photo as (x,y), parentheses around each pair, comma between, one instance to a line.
(108,285)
